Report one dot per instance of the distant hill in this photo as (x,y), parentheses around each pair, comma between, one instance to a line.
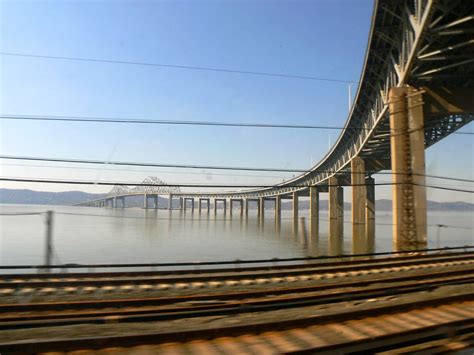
(31,197)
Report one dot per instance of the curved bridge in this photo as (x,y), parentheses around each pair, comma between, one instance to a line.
(414,43)
(416,87)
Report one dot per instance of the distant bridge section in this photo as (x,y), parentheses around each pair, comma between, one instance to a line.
(150,188)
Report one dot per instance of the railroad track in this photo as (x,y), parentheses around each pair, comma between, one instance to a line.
(380,328)
(217,305)
(238,268)
(424,301)
(50,283)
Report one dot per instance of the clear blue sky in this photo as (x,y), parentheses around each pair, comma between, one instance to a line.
(314,38)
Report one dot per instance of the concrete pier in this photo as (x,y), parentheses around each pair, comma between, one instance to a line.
(170,202)
(261,210)
(295,213)
(314,212)
(246,209)
(408,168)
(145,201)
(155,202)
(278,212)
(359,203)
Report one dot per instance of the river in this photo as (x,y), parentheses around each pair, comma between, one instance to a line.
(133,235)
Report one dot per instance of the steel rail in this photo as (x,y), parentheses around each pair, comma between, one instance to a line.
(232,262)
(225,296)
(233,330)
(64,275)
(395,341)
(228,308)
(91,281)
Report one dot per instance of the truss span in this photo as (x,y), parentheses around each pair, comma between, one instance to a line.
(150,186)
(424,43)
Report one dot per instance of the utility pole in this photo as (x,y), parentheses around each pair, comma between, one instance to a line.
(49,239)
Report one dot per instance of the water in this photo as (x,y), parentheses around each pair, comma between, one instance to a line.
(133,235)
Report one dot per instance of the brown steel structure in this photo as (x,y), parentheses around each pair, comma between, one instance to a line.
(416,88)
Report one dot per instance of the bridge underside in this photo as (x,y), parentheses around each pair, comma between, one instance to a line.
(420,55)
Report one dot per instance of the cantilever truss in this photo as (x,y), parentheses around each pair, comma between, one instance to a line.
(151,185)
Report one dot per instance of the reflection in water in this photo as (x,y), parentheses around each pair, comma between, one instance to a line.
(98,235)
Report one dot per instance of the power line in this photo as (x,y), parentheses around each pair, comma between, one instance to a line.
(155,165)
(86,119)
(213,174)
(444,188)
(174,66)
(142,171)
(186,166)
(167,122)
(108,183)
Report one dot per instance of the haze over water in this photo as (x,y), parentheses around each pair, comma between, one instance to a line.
(133,235)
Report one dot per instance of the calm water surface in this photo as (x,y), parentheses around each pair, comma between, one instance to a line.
(133,235)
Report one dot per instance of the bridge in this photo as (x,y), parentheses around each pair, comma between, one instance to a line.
(416,88)
(150,188)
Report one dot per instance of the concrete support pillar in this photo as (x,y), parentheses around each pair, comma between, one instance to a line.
(170,202)
(145,201)
(215,206)
(278,212)
(314,211)
(181,200)
(241,208)
(225,205)
(261,209)
(408,168)
(199,204)
(295,213)
(114,202)
(359,196)
(155,202)
(231,206)
(246,208)
(336,217)
(185,200)
(370,214)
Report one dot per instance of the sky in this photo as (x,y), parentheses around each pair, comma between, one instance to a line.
(311,38)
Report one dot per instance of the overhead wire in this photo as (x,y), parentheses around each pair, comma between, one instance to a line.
(183,185)
(214,173)
(138,170)
(207,167)
(175,66)
(86,119)
(108,183)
